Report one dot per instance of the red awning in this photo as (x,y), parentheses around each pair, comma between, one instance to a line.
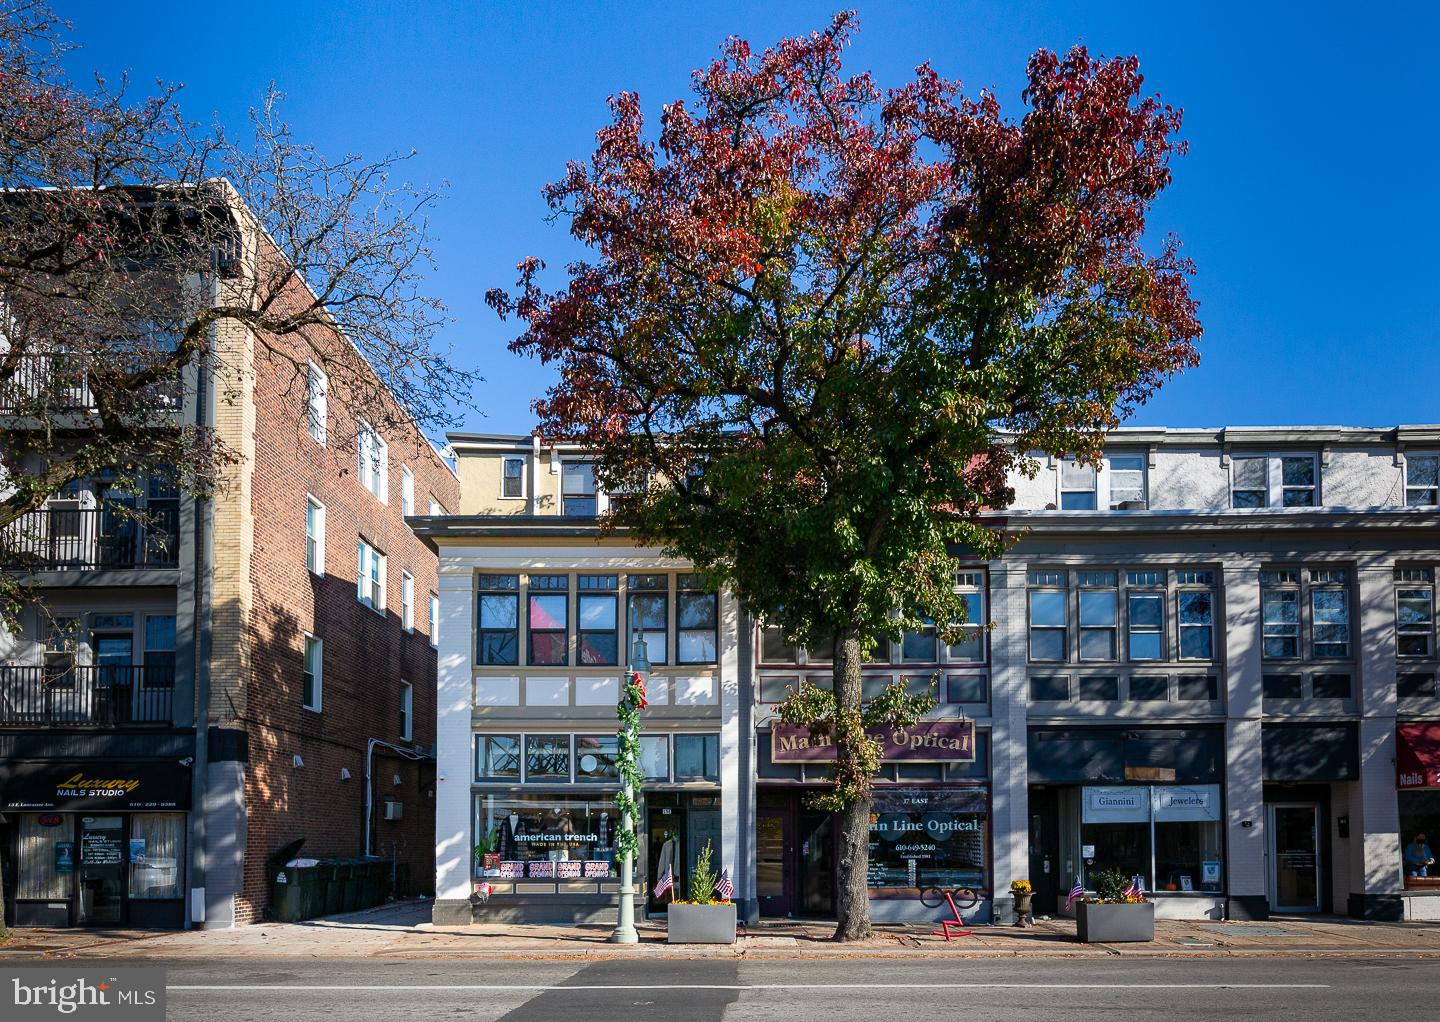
(1417,756)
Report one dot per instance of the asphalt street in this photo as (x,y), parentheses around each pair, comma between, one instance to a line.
(702,990)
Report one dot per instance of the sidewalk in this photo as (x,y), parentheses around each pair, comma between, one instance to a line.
(402,930)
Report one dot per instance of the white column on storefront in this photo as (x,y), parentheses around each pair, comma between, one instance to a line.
(453,841)
(735,832)
(1375,840)
(1009,758)
(1245,869)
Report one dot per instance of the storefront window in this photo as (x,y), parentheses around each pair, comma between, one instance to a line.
(655,757)
(1420,814)
(157,854)
(497,757)
(45,860)
(1168,834)
(929,837)
(536,834)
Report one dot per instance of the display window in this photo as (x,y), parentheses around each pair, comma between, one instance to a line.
(548,837)
(1169,834)
(930,837)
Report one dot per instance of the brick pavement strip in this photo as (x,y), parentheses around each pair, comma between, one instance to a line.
(400,931)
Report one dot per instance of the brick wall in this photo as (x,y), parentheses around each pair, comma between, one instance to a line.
(366,654)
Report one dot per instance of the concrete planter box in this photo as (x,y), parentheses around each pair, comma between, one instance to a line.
(701,924)
(1113,924)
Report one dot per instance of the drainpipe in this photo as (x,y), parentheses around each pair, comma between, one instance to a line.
(200,639)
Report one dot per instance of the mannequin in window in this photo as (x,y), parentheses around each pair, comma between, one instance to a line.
(510,828)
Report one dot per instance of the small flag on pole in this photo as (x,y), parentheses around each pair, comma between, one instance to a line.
(667,883)
(724,889)
(1077,892)
(1132,889)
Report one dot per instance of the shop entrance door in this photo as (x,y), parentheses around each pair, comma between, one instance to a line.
(817,864)
(702,828)
(1294,857)
(1045,849)
(773,875)
(102,870)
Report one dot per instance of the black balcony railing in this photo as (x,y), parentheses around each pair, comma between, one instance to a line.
(89,539)
(67,695)
(42,384)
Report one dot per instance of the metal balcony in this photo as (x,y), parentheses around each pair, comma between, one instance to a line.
(68,695)
(52,382)
(65,538)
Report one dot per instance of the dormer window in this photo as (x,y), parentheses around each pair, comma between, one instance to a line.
(1267,480)
(1077,486)
(1126,474)
(577,489)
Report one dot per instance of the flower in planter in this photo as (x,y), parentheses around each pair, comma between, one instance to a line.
(1021,887)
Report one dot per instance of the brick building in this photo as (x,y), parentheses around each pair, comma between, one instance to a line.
(276,655)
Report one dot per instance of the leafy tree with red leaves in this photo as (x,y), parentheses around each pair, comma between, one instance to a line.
(822,321)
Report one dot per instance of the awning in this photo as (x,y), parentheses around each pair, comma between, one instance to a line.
(1417,756)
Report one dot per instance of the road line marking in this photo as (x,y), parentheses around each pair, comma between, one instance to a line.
(750,986)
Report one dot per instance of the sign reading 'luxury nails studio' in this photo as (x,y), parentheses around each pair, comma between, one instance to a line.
(948,741)
(86,785)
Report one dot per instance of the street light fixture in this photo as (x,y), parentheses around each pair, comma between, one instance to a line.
(624,932)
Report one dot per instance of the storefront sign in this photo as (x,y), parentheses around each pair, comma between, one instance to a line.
(87,785)
(931,741)
(1200,802)
(1117,805)
(1417,755)
(1167,803)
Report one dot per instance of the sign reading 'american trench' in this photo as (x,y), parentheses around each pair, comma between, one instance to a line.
(949,741)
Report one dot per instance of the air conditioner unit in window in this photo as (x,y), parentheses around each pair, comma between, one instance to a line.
(394,810)
(1128,505)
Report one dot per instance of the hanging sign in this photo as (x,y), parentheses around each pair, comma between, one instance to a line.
(930,741)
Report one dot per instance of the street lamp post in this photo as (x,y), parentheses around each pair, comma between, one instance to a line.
(629,754)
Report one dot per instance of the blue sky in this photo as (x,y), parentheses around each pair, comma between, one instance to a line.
(1308,199)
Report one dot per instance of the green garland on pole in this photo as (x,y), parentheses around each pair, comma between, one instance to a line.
(627,711)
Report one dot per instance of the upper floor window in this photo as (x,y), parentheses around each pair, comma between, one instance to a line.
(407,711)
(1120,615)
(1414,612)
(1195,606)
(1287,594)
(435,509)
(374,457)
(1077,486)
(314,536)
(407,601)
(497,626)
(970,647)
(1422,480)
(434,620)
(598,619)
(1145,615)
(512,479)
(648,610)
(370,577)
(548,619)
(696,622)
(159,650)
(1126,475)
(577,489)
(407,491)
(1099,614)
(1262,480)
(312,673)
(316,410)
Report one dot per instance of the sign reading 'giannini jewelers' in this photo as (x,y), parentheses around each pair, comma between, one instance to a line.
(930,741)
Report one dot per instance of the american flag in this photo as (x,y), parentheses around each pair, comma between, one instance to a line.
(667,883)
(723,887)
(1077,892)
(1133,889)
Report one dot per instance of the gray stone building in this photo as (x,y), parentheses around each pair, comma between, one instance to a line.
(1208,662)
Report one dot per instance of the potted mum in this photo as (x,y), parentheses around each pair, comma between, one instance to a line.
(705,918)
(1118,911)
(1022,892)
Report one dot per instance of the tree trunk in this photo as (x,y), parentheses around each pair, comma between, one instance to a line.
(853,901)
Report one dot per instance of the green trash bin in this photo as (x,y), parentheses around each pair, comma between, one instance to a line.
(353,871)
(377,882)
(334,888)
(312,890)
(286,895)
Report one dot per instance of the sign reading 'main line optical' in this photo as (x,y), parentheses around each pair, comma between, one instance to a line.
(930,741)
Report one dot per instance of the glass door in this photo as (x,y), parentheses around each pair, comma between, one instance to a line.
(1294,858)
(102,870)
(772,872)
(114,659)
(817,864)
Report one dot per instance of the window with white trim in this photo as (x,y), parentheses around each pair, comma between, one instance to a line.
(1330,613)
(970,647)
(407,491)
(1280,614)
(1274,480)
(1422,480)
(1305,613)
(1145,615)
(407,601)
(407,711)
(314,535)
(370,577)
(577,489)
(1077,486)
(1099,614)
(312,672)
(1048,601)
(316,403)
(512,479)
(1126,476)
(434,620)
(374,459)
